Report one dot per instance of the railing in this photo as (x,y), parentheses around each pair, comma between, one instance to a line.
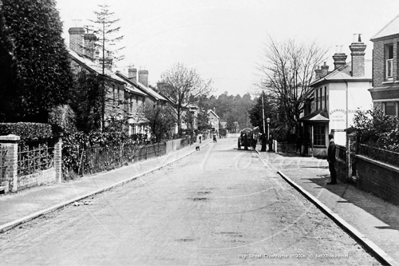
(3,167)
(378,154)
(33,160)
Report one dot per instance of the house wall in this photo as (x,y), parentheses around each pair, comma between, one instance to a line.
(342,110)
(379,61)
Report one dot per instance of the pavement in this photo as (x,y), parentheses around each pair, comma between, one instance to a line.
(373,222)
(25,205)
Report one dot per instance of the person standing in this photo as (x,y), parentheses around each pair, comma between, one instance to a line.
(331,160)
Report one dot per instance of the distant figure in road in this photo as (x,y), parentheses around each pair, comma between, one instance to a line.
(215,137)
(200,138)
(331,160)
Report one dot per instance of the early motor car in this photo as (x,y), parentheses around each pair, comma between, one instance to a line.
(247,139)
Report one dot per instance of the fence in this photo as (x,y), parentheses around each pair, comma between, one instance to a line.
(97,159)
(32,160)
(378,154)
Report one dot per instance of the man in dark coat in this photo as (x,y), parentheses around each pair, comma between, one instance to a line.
(331,160)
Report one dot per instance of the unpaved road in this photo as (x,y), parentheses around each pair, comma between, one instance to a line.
(219,206)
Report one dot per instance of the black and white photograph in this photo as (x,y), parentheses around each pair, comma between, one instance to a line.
(199,132)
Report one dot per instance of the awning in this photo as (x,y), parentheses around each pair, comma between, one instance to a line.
(319,116)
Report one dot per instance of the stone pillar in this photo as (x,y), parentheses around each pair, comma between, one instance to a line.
(10,142)
(58,159)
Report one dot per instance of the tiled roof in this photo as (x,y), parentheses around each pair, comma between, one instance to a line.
(142,87)
(391,28)
(151,92)
(94,66)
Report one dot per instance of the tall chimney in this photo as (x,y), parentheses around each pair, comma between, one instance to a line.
(324,70)
(143,77)
(89,45)
(76,39)
(339,59)
(357,53)
(132,75)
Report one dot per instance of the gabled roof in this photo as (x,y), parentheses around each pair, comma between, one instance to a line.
(344,74)
(211,111)
(316,116)
(389,29)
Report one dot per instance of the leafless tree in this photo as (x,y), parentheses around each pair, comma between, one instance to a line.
(183,86)
(288,69)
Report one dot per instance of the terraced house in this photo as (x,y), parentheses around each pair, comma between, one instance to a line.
(123,101)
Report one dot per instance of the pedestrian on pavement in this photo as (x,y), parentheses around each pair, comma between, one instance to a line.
(331,160)
(200,138)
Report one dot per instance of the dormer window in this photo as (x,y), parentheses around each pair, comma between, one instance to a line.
(388,61)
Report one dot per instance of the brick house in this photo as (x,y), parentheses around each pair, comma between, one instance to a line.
(336,96)
(385,86)
(152,98)
(123,101)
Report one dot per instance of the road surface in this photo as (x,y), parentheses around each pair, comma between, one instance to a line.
(218,206)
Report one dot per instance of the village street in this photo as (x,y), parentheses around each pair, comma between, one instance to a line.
(218,206)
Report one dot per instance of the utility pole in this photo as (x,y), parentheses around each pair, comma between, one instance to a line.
(263,119)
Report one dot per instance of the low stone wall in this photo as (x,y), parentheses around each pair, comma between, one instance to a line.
(380,179)
(37,179)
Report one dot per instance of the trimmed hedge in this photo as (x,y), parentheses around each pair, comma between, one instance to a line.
(27,131)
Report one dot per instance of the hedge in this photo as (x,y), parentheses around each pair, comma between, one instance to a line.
(27,131)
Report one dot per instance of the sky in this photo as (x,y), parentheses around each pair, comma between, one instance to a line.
(224,39)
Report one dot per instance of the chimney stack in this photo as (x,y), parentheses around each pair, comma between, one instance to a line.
(76,39)
(357,54)
(132,74)
(143,77)
(324,70)
(339,59)
(89,45)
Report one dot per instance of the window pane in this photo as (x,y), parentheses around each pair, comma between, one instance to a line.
(390,108)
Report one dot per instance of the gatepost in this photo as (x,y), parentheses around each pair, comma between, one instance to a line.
(10,142)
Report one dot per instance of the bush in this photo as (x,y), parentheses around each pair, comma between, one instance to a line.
(374,128)
(27,131)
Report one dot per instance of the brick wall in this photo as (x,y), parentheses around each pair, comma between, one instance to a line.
(378,178)
(379,60)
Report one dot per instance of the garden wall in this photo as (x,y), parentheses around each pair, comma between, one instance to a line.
(380,179)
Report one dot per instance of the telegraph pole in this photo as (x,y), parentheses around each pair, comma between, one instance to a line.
(263,120)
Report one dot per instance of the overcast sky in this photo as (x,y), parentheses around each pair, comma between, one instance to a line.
(223,39)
